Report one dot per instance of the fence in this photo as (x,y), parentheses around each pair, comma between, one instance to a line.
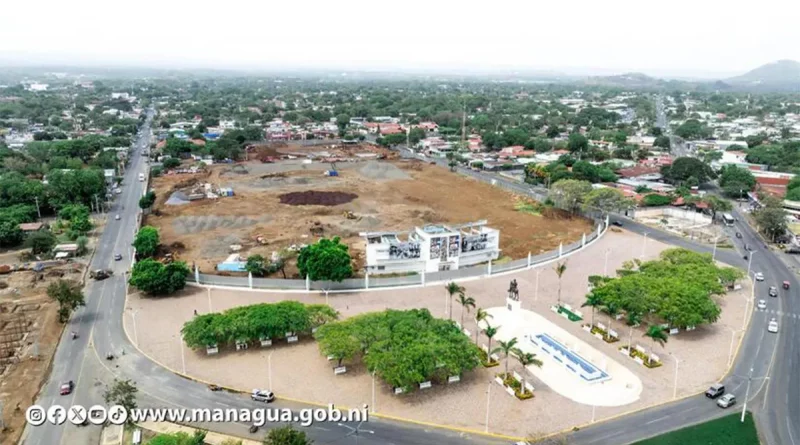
(368,282)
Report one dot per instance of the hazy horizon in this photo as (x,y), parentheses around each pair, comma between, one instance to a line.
(684,39)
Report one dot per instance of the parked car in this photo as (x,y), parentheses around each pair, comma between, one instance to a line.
(759,276)
(617,223)
(773,291)
(262,395)
(715,391)
(762,304)
(726,401)
(773,326)
(66,388)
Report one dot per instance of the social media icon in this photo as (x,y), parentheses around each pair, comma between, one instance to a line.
(56,414)
(77,414)
(117,414)
(35,415)
(97,414)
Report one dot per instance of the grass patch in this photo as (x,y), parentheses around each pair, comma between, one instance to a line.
(528,207)
(606,338)
(633,352)
(727,430)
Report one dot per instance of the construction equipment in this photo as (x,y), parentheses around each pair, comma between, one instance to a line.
(349,215)
(332,171)
(261,240)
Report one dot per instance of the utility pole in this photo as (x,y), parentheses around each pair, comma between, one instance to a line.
(464,126)
(38,211)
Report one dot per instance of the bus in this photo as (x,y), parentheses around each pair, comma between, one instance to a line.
(727,219)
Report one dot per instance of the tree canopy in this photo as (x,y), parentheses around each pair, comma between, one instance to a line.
(155,278)
(736,181)
(569,194)
(146,242)
(325,260)
(607,200)
(404,348)
(255,322)
(287,435)
(678,289)
(682,169)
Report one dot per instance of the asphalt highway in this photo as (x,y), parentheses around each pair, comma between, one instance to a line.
(775,399)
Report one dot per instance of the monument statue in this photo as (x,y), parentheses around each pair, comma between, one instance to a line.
(513,291)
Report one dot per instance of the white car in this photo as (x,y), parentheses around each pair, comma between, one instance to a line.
(762,304)
(759,276)
(773,326)
(262,395)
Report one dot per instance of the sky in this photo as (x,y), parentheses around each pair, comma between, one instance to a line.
(673,38)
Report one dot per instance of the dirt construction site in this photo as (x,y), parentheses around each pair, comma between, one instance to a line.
(29,333)
(292,196)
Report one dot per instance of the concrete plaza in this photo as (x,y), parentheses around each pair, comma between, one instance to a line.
(300,372)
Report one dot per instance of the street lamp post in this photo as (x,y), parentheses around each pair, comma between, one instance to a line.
(135,334)
(605,266)
(714,255)
(536,293)
(183,356)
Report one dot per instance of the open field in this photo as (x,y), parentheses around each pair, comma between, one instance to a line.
(728,430)
(389,195)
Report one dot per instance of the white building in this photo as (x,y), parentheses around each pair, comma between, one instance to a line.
(432,248)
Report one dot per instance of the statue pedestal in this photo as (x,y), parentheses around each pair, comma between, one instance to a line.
(513,305)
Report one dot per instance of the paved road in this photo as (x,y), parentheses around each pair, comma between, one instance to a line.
(100,321)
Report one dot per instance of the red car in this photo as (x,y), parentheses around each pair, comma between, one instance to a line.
(66,388)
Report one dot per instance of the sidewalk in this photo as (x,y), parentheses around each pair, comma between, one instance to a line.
(211,437)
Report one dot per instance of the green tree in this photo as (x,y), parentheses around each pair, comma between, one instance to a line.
(452,289)
(147,200)
(490,332)
(179,438)
(771,218)
(146,242)
(41,241)
(560,268)
(569,194)
(662,142)
(736,181)
(506,347)
(480,315)
(656,200)
(325,260)
(684,168)
(526,359)
(123,393)
(466,303)
(83,243)
(287,435)
(68,295)
(256,265)
(594,302)
(607,200)
(79,225)
(155,278)
(658,334)
(716,205)
(337,340)
(170,163)
(10,233)
(693,129)
(577,143)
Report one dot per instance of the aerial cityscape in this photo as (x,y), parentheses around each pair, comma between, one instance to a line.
(262,249)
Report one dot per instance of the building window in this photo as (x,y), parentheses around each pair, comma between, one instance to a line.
(381,267)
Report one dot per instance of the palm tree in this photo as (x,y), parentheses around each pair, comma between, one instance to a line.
(632,320)
(490,332)
(593,301)
(560,269)
(612,310)
(452,288)
(466,302)
(525,359)
(658,334)
(506,347)
(480,315)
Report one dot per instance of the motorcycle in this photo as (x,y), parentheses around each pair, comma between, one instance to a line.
(74,335)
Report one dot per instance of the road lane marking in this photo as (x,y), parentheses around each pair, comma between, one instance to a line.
(657,420)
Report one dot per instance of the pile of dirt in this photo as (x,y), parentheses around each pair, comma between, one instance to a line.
(313,197)
(382,171)
(177,199)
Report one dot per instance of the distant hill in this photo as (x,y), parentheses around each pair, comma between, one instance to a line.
(776,74)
